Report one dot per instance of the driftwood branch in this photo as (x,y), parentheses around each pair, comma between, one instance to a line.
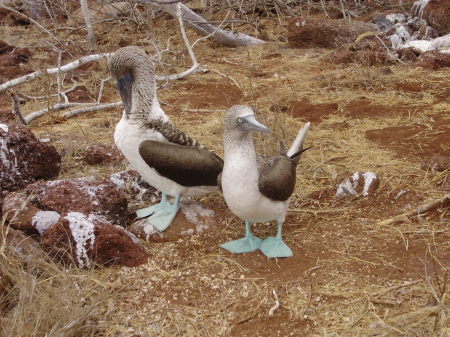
(442,202)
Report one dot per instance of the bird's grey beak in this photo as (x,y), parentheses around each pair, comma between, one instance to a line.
(249,123)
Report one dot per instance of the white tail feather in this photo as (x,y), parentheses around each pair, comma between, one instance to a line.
(297,145)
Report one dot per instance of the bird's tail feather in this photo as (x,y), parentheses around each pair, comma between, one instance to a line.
(297,145)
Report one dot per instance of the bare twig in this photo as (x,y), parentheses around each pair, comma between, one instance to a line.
(195,64)
(58,77)
(102,87)
(276,305)
(442,202)
(64,93)
(16,108)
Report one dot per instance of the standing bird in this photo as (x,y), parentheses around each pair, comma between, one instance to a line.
(167,158)
(257,188)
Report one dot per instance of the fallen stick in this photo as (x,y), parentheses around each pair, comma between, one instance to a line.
(404,217)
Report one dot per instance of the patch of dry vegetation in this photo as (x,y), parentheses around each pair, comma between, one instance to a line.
(41,298)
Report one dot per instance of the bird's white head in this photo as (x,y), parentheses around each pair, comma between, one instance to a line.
(241,119)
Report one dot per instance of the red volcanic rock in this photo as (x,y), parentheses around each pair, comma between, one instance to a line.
(436,12)
(433,60)
(307,32)
(21,214)
(83,239)
(358,184)
(88,195)
(101,154)
(23,158)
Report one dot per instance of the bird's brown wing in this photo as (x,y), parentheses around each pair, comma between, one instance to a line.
(186,165)
(276,177)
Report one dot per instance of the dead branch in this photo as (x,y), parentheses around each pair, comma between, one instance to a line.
(90,29)
(195,64)
(95,107)
(404,217)
(68,67)
(202,26)
(55,107)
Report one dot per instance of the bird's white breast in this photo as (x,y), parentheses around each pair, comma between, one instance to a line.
(240,189)
(128,136)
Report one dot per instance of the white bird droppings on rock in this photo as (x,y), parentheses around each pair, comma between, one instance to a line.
(82,230)
(419,6)
(4,127)
(193,210)
(43,220)
(346,188)
(358,184)
(369,178)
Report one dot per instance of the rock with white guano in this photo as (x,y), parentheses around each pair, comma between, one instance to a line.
(86,240)
(23,158)
(78,221)
(22,215)
(358,184)
(88,195)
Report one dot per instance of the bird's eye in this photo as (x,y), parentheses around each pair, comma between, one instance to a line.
(239,120)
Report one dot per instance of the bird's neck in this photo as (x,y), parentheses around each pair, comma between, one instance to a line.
(239,144)
(145,105)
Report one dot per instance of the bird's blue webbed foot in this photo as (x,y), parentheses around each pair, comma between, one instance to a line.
(275,246)
(247,244)
(163,213)
(147,211)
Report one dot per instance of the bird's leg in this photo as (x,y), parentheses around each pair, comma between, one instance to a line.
(144,212)
(163,217)
(275,246)
(249,243)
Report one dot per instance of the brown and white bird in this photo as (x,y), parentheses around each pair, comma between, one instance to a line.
(257,188)
(165,157)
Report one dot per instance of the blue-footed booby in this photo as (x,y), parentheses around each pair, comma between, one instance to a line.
(257,188)
(165,157)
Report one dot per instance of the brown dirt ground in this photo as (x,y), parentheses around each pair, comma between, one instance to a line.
(349,276)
